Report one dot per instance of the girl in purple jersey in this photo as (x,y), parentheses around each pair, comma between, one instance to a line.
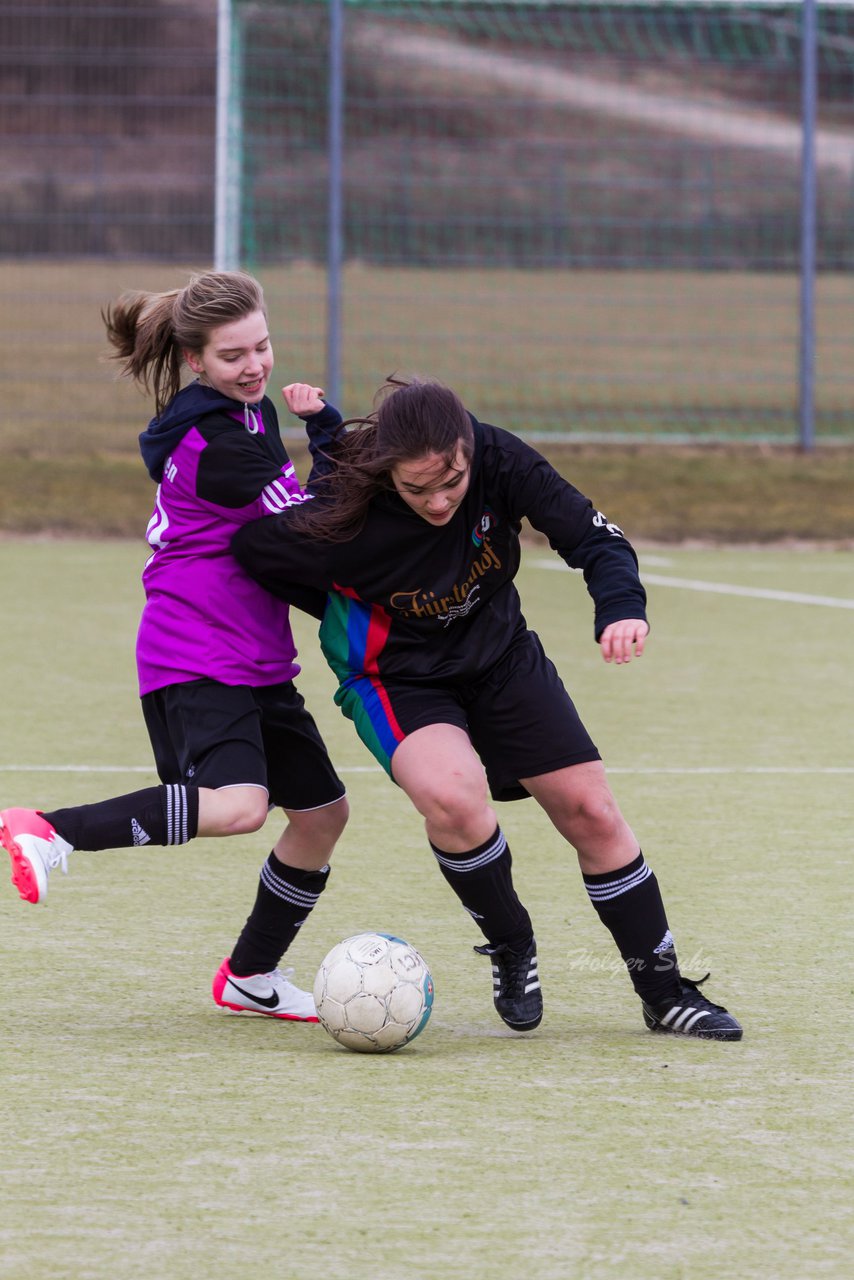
(414,533)
(215,653)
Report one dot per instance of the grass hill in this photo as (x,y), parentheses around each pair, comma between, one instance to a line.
(726,495)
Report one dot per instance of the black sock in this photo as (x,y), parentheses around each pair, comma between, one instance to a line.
(628,902)
(158,815)
(482,880)
(285,898)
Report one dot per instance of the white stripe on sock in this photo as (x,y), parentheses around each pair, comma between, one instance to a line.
(286,891)
(483,859)
(614,888)
(176,814)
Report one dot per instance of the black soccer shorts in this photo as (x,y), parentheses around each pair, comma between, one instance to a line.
(518,715)
(215,735)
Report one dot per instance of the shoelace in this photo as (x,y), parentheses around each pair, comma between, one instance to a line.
(515,968)
(513,964)
(284,974)
(57,858)
(695,986)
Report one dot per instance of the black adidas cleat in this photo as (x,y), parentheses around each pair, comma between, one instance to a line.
(516,985)
(690,1014)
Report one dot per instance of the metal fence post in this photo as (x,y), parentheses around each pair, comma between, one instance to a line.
(806,375)
(335,232)
(228,144)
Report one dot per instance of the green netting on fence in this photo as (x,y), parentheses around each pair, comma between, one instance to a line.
(586,215)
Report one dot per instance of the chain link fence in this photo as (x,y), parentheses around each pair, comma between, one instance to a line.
(584,216)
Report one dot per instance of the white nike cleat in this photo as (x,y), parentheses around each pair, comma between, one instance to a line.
(35,849)
(272,994)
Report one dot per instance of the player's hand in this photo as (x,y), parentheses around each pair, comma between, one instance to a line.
(303,399)
(623,640)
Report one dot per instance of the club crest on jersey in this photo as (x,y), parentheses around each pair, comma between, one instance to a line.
(483,526)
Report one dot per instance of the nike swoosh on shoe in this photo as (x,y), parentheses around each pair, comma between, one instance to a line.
(269,1002)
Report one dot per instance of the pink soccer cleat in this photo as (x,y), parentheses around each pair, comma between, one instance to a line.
(35,849)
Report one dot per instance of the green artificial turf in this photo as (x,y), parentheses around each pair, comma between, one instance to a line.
(146,1133)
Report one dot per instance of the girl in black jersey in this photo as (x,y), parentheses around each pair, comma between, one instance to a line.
(414,533)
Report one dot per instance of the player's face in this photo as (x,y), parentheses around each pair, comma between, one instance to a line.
(237,358)
(431,487)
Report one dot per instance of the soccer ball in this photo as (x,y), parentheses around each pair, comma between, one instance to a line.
(373,993)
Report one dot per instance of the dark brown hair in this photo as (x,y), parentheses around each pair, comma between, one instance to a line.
(413,418)
(151,331)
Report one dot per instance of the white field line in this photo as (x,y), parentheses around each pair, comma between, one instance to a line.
(724,588)
(128,768)
(753,593)
(690,584)
(651,771)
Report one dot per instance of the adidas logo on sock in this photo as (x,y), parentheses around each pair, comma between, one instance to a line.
(140,835)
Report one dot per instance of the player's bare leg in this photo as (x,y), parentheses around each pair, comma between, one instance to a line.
(581,805)
(441,773)
(626,896)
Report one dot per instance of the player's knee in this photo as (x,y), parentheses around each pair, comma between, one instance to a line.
(597,816)
(322,827)
(242,813)
(456,806)
(336,817)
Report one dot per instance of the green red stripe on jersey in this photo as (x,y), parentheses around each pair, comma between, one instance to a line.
(352,636)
